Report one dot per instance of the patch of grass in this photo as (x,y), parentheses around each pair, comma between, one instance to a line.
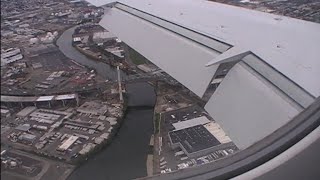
(157,123)
(136,58)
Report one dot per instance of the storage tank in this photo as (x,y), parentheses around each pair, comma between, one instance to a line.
(49,34)
(13,164)
(55,34)
(47,39)
(34,41)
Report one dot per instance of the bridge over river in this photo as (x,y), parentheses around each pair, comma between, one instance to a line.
(152,76)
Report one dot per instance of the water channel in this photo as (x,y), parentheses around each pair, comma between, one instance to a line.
(125,157)
(65,45)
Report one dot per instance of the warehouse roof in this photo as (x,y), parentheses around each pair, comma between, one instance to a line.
(68,142)
(191,122)
(36,98)
(45,98)
(194,138)
(17,99)
(10,53)
(23,127)
(26,111)
(103,35)
(65,97)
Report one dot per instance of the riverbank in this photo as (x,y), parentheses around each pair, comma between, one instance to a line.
(129,150)
(100,147)
(98,53)
(126,156)
(64,42)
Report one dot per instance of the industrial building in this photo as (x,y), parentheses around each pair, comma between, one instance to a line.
(198,137)
(26,111)
(10,55)
(38,99)
(92,108)
(86,148)
(190,123)
(193,139)
(23,127)
(68,143)
(104,36)
(29,138)
(273,77)
(5,113)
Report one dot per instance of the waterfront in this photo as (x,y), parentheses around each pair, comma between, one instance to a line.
(65,45)
(125,157)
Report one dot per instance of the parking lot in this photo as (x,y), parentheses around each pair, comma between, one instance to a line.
(173,159)
(32,166)
(176,159)
(22,165)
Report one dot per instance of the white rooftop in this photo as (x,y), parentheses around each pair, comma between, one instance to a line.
(103,35)
(45,98)
(26,111)
(36,98)
(190,123)
(10,53)
(65,97)
(68,142)
(3,111)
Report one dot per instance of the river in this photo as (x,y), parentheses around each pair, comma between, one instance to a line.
(65,45)
(125,158)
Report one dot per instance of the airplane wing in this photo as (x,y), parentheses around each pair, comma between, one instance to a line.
(276,58)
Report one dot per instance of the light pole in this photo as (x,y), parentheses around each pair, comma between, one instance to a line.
(119,83)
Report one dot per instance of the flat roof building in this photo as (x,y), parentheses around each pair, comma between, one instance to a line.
(68,143)
(193,138)
(26,111)
(198,136)
(92,108)
(10,56)
(217,132)
(35,99)
(196,141)
(103,36)
(27,137)
(23,127)
(190,123)
(5,113)
(86,148)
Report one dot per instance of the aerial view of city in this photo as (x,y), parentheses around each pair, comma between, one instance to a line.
(136,90)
